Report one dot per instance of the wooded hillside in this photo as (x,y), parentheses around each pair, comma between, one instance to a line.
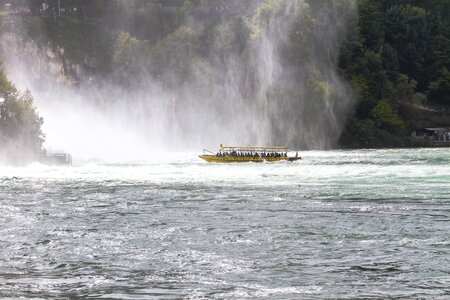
(395,54)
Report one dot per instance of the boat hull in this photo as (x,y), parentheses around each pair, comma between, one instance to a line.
(233,159)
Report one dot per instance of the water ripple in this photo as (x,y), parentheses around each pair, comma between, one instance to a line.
(343,224)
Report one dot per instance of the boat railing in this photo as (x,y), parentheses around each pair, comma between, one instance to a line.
(205,151)
(254,148)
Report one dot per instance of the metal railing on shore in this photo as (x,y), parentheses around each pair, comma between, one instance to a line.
(56,159)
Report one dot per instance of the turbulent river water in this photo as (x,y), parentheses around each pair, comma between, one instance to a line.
(337,224)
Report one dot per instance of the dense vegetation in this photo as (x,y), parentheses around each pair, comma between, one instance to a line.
(21,137)
(396,56)
(398,60)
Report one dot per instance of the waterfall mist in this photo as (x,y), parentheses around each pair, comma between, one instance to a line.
(258,72)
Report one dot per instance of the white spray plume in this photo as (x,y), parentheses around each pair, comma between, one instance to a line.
(254,95)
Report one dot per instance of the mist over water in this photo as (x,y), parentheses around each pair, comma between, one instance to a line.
(93,122)
(257,91)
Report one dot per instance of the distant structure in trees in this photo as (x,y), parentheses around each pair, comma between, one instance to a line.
(437,136)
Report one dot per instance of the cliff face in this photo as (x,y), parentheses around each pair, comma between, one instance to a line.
(363,72)
(68,47)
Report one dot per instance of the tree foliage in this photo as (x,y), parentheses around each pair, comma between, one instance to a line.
(21,136)
(397,60)
(396,56)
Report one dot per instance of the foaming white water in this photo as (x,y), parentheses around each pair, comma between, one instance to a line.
(183,228)
(408,169)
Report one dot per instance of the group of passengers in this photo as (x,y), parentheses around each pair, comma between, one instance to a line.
(251,154)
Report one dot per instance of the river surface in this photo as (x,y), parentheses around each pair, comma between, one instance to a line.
(338,224)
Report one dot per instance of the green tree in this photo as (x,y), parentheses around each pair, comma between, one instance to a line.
(21,136)
(386,117)
(371,23)
(440,88)
(173,58)
(397,61)
(130,58)
(408,31)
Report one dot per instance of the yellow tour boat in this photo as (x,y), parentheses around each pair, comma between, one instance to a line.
(248,153)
